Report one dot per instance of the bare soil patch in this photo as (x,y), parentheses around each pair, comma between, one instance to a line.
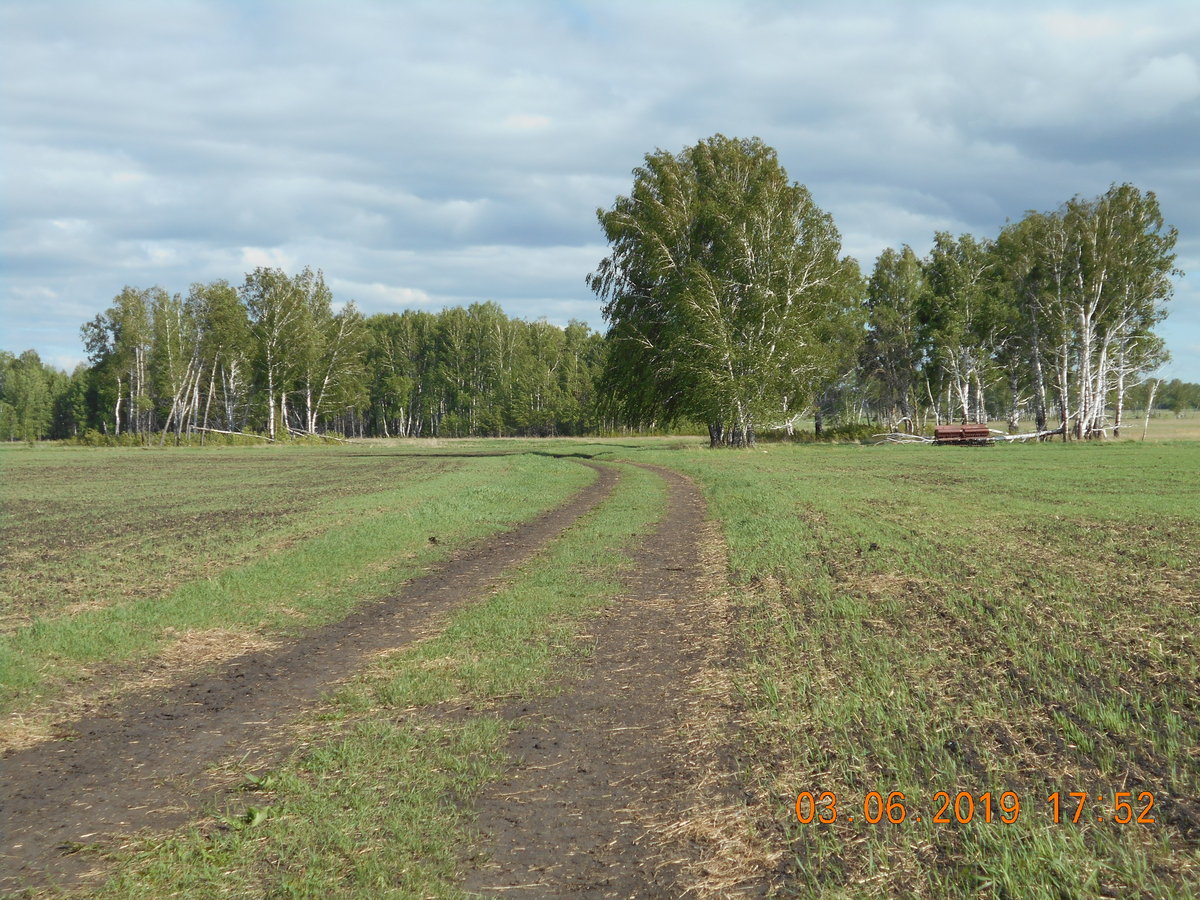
(144,764)
(111,685)
(627,783)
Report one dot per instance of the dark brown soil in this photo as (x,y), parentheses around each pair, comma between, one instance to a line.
(605,764)
(142,765)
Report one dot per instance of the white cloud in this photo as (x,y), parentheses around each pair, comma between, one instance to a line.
(158,254)
(382,297)
(267,258)
(1082,27)
(34,293)
(424,154)
(1162,85)
(65,361)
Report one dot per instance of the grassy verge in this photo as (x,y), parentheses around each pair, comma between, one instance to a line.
(1018,619)
(376,807)
(366,543)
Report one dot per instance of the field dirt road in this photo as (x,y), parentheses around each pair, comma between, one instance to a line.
(142,765)
(626,785)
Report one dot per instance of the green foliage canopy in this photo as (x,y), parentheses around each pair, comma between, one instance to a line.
(721,276)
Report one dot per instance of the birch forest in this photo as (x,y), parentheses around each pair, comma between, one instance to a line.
(1052,320)
(1049,325)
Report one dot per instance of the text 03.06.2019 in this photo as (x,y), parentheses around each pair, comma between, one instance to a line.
(895,807)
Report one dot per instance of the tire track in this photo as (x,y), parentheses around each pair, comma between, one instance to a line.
(605,771)
(142,765)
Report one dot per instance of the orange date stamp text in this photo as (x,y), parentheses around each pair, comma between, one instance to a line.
(964,807)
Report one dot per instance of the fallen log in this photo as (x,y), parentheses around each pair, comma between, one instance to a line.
(903,437)
(978,434)
(1030,435)
(327,437)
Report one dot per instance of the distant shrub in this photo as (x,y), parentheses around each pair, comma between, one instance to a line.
(841,433)
(851,431)
(93,438)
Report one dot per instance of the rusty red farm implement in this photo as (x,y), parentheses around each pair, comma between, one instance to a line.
(962,434)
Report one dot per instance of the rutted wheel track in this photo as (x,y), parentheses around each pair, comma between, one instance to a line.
(611,796)
(143,765)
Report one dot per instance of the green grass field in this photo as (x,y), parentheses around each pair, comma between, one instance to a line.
(1018,619)
(1011,621)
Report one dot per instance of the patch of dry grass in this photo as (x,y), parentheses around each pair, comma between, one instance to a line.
(716,843)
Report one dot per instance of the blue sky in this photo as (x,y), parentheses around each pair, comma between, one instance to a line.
(431,154)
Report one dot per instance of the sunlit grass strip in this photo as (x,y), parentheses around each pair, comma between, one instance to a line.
(317,580)
(381,811)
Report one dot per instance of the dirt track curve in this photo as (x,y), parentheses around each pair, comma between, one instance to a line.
(605,769)
(142,765)
(608,775)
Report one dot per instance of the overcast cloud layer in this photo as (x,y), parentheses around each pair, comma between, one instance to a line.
(426,155)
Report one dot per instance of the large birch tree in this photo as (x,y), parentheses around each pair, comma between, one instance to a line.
(1093,279)
(719,272)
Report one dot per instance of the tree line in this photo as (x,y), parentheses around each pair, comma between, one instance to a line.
(1053,318)
(278,357)
(729,304)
